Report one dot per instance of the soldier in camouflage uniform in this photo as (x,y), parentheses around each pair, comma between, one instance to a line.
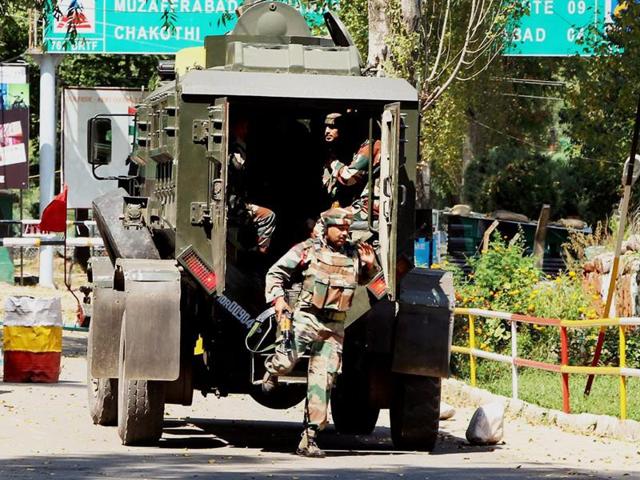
(331,269)
(345,174)
(262,218)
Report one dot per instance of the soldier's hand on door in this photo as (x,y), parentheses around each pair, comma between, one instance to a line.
(367,254)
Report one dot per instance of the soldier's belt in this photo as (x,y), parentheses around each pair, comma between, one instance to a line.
(326,314)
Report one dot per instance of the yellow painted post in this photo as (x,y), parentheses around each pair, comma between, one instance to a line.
(623,379)
(472,345)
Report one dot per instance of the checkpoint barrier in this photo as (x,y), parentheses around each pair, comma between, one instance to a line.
(564,369)
(17,242)
(32,339)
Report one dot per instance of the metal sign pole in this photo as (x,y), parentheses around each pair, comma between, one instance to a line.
(48,64)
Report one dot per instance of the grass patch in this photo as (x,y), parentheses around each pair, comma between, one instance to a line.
(545,389)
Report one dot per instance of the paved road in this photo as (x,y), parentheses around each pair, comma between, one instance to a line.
(45,432)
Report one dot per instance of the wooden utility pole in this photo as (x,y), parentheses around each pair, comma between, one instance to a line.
(541,235)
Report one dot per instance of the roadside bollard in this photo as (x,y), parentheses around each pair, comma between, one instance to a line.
(32,339)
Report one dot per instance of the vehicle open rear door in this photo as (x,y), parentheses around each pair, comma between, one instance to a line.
(389,181)
(218,147)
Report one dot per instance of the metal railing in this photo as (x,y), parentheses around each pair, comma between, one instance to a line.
(564,369)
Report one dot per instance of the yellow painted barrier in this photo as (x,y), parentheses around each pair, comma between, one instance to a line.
(472,345)
(598,322)
(32,339)
(621,323)
(623,379)
(590,370)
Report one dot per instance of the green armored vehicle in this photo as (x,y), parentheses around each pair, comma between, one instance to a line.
(178,304)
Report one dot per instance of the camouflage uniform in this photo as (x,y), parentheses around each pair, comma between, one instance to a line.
(263,219)
(330,278)
(346,183)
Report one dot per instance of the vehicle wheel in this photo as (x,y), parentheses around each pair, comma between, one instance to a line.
(140,405)
(283,397)
(415,412)
(350,407)
(102,394)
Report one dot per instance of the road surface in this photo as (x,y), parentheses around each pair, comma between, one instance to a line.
(45,432)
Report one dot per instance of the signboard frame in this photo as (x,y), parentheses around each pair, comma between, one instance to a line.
(78,105)
(14,125)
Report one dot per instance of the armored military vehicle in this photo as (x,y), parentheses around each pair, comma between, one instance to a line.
(179,301)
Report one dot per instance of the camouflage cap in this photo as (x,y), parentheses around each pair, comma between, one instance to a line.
(337,216)
(333,120)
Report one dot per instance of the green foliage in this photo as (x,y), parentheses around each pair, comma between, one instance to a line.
(501,278)
(133,71)
(514,178)
(355,16)
(505,279)
(600,104)
(544,389)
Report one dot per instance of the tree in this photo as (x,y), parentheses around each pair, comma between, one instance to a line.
(599,112)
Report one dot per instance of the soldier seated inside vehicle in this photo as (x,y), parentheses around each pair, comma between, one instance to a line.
(293,166)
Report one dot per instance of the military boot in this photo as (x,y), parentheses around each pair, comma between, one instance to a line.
(269,383)
(308,446)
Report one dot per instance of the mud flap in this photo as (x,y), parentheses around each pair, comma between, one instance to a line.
(108,305)
(424,329)
(152,318)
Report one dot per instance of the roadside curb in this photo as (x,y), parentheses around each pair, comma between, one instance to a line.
(460,394)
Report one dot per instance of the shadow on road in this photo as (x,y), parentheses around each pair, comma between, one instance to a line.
(251,466)
(282,437)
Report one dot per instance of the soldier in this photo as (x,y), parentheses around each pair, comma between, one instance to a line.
(262,218)
(345,176)
(346,181)
(331,269)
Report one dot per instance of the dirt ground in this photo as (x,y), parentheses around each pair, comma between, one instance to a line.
(45,431)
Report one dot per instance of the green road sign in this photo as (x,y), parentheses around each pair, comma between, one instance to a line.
(554,28)
(135,26)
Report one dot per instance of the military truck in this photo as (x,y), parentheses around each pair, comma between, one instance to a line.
(178,304)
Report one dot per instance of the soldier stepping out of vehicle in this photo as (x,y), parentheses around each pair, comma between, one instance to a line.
(331,268)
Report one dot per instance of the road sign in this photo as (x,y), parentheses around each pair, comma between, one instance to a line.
(135,26)
(555,28)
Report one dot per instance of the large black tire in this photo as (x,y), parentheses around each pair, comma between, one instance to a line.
(415,412)
(283,397)
(351,410)
(140,405)
(102,394)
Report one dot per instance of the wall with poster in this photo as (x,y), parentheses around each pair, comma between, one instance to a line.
(14,126)
(78,106)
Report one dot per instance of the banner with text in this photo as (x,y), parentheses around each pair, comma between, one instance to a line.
(135,26)
(556,28)
(14,126)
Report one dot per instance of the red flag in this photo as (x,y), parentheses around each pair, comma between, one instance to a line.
(54,216)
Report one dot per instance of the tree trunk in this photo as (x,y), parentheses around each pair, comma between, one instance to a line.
(410,14)
(378,31)
(379,26)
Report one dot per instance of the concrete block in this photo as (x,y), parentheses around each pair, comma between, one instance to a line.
(607,426)
(533,413)
(514,407)
(581,423)
(630,430)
